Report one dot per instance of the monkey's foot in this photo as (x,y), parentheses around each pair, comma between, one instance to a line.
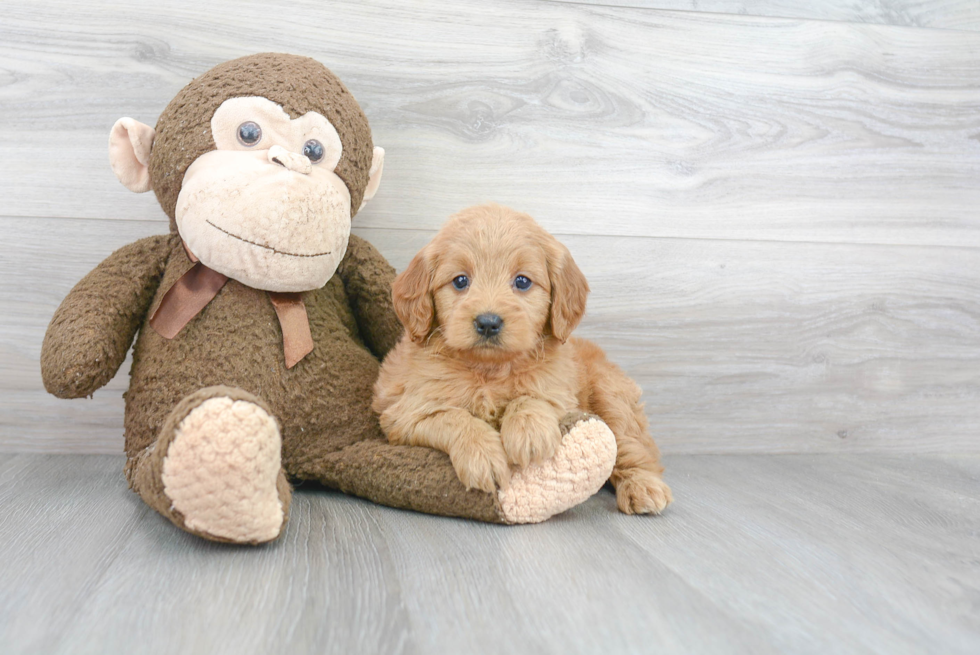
(581,465)
(216,469)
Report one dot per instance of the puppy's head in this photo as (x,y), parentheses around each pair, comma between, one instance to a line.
(492,283)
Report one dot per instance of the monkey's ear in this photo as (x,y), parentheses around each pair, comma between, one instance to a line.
(411,295)
(377,165)
(569,291)
(129,153)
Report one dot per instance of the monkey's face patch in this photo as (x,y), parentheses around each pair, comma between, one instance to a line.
(266,207)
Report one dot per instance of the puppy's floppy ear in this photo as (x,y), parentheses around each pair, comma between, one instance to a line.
(569,291)
(411,294)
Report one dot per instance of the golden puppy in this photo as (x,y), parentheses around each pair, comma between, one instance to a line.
(486,369)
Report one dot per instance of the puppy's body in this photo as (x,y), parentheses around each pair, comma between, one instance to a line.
(486,372)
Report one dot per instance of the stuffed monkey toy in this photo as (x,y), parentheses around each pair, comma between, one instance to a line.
(260,320)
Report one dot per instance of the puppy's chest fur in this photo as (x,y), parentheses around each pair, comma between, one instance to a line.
(486,392)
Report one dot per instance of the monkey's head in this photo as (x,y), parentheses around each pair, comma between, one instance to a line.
(260,163)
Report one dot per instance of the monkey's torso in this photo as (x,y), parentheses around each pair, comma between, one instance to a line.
(322,403)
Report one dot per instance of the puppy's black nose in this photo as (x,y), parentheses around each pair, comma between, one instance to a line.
(488,325)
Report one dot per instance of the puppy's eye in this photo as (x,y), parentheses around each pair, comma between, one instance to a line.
(249,133)
(522,282)
(460,282)
(313,149)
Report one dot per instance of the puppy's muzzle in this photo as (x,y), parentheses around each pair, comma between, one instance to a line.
(488,325)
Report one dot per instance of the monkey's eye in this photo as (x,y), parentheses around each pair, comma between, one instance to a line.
(249,133)
(522,282)
(313,149)
(460,282)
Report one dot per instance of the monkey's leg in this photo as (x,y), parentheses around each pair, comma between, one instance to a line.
(424,480)
(215,469)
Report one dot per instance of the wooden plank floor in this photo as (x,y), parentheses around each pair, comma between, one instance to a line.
(760,554)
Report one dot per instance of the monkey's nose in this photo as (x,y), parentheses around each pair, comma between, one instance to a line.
(290,160)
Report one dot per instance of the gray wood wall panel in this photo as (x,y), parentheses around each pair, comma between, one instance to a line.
(779,218)
(740,346)
(938,14)
(596,119)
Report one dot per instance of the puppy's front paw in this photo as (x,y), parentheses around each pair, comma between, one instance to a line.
(480,462)
(642,492)
(529,437)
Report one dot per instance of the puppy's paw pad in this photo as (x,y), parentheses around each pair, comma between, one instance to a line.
(480,464)
(643,493)
(530,438)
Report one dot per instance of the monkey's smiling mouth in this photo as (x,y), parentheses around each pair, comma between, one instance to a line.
(262,245)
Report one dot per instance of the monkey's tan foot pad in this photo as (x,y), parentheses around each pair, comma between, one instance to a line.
(222,470)
(582,464)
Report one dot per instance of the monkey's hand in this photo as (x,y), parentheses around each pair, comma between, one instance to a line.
(367,277)
(92,330)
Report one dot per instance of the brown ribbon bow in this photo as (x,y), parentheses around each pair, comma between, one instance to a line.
(192,292)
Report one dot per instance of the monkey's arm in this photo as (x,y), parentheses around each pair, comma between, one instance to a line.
(367,277)
(91,331)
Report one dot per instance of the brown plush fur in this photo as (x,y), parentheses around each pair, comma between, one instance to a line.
(322,404)
(495,402)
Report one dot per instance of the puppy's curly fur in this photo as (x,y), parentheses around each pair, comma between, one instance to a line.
(493,398)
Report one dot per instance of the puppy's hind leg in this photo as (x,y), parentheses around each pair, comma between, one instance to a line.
(616,399)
